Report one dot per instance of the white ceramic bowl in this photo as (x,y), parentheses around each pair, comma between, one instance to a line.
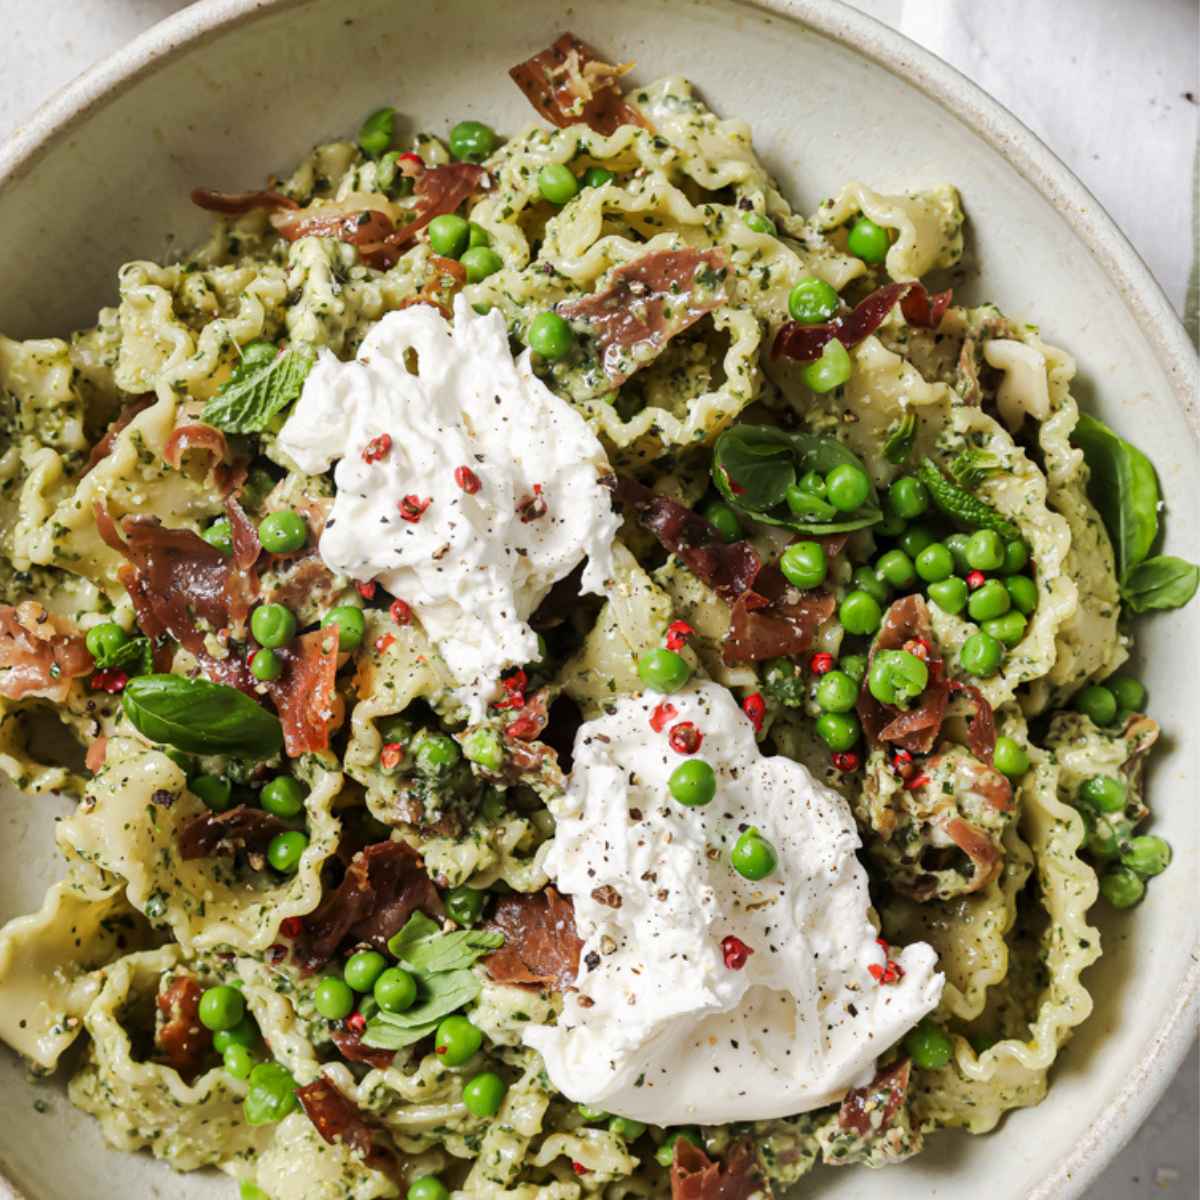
(231,89)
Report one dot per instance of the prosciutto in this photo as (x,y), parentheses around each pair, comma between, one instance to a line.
(541,946)
(646,303)
(872,1109)
(212,834)
(181,1039)
(695,1176)
(804,343)
(569,84)
(351,1047)
(103,448)
(775,619)
(225,475)
(237,204)
(39,653)
(305,695)
(383,886)
(338,1119)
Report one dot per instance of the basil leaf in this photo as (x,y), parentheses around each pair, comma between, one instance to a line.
(444,952)
(754,465)
(1123,487)
(417,928)
(135,657)
(901,435)
(380,1035)
(250,403)
(1160,582)
(439,996)
(199,717)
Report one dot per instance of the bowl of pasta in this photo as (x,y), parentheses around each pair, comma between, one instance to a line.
(600,613)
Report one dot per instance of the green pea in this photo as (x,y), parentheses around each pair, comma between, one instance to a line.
(981,655)
(860,613)
(812,302)
(244,1033)
(896,568)
(219,535)
(836,692)
(908,497)
(1101,839)
(472,141)
(808,503)
(753,857)
(854,665)
(935,563)
(956,543)
(271,1096)
(1104,793)
(868,241)
(285,851)
(363,968)
(627,1128)
(985,550)
(214,790)
(556,183)
(486,747)
(435,753)
(351,625)
(693,783)
(283,796)
(804,564)
(239,1061)
(395,990)
(1129,693)
(388,179)
(457,1041)
(665,1154)
(950,595)
(484,1094)
(890,525)
(1098,703)
(1146,855)
(477,236)
(283,532)
(334,999)
(596,177)
(724,519)
(866,579)
(273,625)
(427,1187)
(258,354)
(221,1007)
(1016,556)
(480,262)
(591,1114)
(1122,888)
(847,487)
(929,1046)
(449,235)
(465,904)
(916,538)
(839,731)
(663,670)
(759,223)
(1009,758)
(1009,629)
(550,336)
(896,677)
(105,640)
(377,131)
(1022,591)
(990,600)
(829,371)
(266,665)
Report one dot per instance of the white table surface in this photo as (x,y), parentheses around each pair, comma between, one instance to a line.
(1109,85)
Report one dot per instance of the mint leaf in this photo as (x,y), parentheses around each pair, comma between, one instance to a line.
(438,997)
(970,468)
(423,948)
(136,657)
(1160,582)
(901,434)
(250,403)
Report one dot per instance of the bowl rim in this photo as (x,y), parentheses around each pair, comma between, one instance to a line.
(206,20)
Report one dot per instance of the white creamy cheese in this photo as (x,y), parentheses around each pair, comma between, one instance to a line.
(473,566)
(660,1028)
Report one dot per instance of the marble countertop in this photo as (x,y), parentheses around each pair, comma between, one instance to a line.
(1112,88)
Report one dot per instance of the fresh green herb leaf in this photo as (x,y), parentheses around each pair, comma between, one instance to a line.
(898,443)
(438,997)
(381,1035)
(754,465)
(418,928)
(199,717)
(135,657)
(448,951)
(1123,487)
(251,403)
(1160,582)
(972,467)
(959,504)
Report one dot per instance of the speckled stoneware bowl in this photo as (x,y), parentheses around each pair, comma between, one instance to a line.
(231,89)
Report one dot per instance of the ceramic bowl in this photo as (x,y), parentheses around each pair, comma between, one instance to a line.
(229,90)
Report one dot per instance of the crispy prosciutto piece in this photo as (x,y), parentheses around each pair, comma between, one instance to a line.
(568,83)
(804,343)
(181,1039)
(541,947)
(225,474)
(305,695)
(695,1176)
(39,653)
(350,1046)
(384,885)
(981,724)
(871,1110)
(212,834)
(979,848)
(445,280)
(646,303)
(338,1119)
(775,619)
(103,448)
(237,204)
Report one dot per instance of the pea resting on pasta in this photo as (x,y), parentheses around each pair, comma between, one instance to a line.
(309,898)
